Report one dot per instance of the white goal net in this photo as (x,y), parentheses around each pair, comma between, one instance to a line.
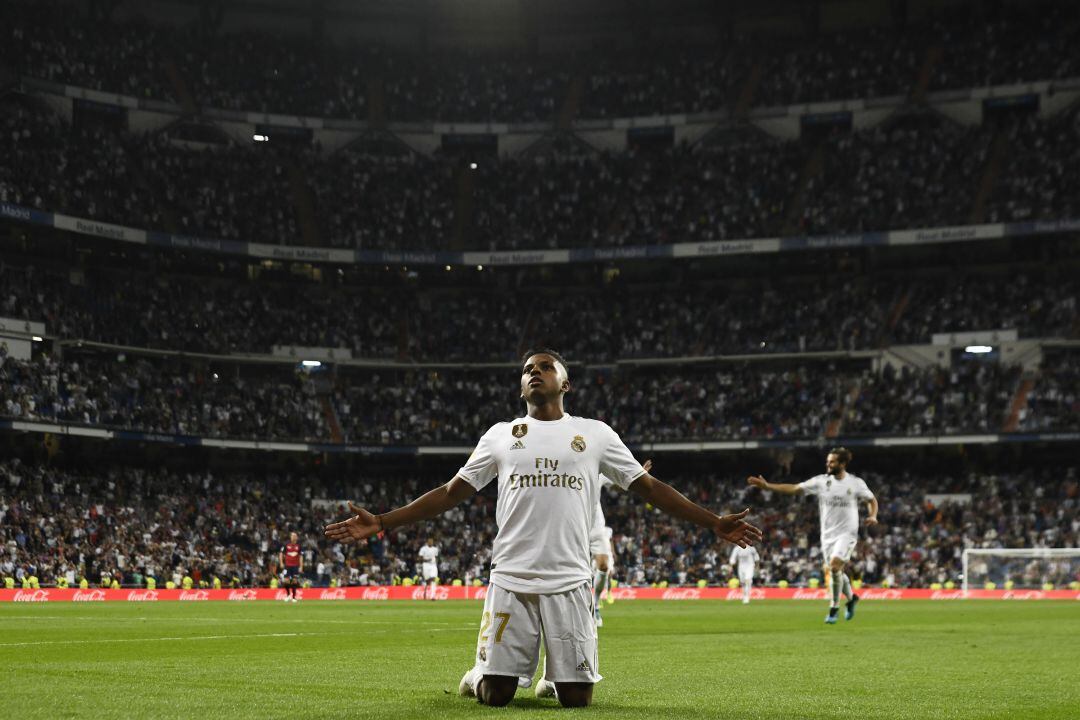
(1007,568)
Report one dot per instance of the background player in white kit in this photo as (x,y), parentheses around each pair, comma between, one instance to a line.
(838,501)
(744,559)
(429,567)
(548,464)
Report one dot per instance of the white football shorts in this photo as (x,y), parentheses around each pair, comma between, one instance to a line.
(513,624)
(746,574)
(430,571)
(839,547)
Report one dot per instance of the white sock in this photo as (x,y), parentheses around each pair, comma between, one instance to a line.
(836,583)
(599,583)
(746,590)
(847,587)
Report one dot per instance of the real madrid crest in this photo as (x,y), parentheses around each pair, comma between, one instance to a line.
(828,484)
(578,444)
(520,430)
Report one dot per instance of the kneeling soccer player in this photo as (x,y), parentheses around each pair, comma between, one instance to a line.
(549,465)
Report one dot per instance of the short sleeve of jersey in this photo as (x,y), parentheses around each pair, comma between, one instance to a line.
(863,491)
(617,463)
(811,486)
(481,467)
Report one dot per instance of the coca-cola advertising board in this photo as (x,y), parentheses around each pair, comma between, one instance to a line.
(448,592)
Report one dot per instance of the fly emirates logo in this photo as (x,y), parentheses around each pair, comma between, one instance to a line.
(547,475)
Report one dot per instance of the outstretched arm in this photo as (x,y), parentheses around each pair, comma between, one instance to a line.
(435,502)
(730,527)
(782,488)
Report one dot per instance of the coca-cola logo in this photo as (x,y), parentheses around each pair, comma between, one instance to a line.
(869,594)
(142,596)
(376,593)
(35,596)
(947,595)
(89,596)
(623,593)
(807,594)
(481,593)
(681,594)
(1023,595)
(243,595)
(194,595)
(439,592)
(734,595)
(338,594)
(281,595)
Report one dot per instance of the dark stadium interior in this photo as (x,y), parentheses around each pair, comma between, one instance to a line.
(329,230)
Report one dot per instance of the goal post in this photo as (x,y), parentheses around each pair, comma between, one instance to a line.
(1020,567)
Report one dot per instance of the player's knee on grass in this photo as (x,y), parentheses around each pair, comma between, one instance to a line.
(574,694)
(496,690)
(602,563)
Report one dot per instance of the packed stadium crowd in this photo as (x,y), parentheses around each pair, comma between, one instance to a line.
(160,397)
(127,524)
(242,70)
(390,406)
(486,319)
(889,177)
(1055,394)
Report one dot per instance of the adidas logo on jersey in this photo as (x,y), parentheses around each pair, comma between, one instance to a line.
(518,446)
(584,666)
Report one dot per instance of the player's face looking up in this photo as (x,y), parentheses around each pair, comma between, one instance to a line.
(543,379)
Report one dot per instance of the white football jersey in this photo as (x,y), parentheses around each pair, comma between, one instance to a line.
(549,491)
(838,501)
(744,557)
(429,554)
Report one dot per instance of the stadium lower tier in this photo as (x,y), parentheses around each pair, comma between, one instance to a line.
(455,406)
(116,526)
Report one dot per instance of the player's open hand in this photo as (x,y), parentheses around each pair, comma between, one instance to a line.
(736,530)
(361,525)
(757,481)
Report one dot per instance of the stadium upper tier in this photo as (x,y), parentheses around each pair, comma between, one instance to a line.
(129,523)
(911,172)
(454,406)
(301,76)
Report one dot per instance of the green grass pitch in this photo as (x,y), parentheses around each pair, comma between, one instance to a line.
(389,660)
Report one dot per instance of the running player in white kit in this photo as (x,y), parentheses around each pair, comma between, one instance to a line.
(838,502)
(548,466)
(429,567)
(744,560)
